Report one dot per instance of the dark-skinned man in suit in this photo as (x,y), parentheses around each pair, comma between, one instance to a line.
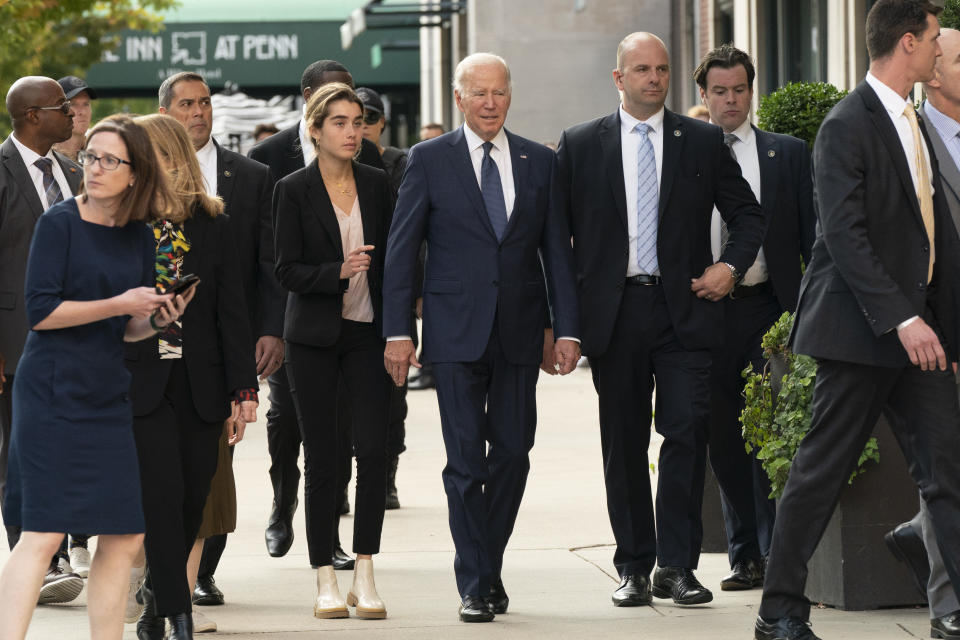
(877,310)
(33,178)
(777,167)
(638,188)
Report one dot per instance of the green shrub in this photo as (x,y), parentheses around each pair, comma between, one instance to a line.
(798,109)
(773,426)
(950,18)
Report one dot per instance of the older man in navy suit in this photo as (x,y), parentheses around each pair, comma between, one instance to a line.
(481,198)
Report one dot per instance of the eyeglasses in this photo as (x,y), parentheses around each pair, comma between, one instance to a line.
(64,108)
(372,117)
(107,163)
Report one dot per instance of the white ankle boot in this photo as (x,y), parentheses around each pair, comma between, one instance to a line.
(329,603)
(363,594)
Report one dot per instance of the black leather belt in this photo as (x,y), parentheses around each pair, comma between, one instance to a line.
(642,280)
(744,291)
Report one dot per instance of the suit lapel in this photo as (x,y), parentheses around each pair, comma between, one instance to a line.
(71,171)
(611,150)
(13,162)
(195,229)
(460,161)
(891,140)
(949,172)
(672,146)
(768,158)
(520,164)
(226,175)
(367,217)
(323,208)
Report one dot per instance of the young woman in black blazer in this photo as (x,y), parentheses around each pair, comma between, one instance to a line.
(331,220)
(187,381)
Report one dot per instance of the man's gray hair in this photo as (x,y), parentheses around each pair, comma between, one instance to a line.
(165,94)
(474,60)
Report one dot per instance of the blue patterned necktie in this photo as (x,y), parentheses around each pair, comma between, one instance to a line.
(648,199)
(492,191)
(51,190)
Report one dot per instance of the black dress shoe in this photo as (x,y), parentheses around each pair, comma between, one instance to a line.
(475,609)
(341,561)
(634,591)
(279,533)
(497,600)
(783,629)
(947,626)
(906,545)
(206,593)
(679,584)
(181,627)
(745,574)
(150,625)
(422,381)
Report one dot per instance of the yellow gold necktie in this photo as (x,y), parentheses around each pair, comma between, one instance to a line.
(924,193)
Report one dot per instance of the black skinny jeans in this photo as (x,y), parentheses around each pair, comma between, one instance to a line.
(357,361)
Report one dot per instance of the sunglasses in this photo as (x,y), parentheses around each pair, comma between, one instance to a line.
(371,117)
(107,163)
(64,108)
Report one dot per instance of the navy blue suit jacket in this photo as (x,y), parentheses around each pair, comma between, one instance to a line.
(471,279)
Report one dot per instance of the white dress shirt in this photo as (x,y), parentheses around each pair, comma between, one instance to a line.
(894,104)
(29,158)
(500,153)
(207,157)
(630,147)
(745,149)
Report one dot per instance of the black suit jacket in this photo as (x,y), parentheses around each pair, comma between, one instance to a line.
(20,207)
(869,267)
(786,197)
(698,172)
(217,347)
(310,250)
(246,187)
(284,155)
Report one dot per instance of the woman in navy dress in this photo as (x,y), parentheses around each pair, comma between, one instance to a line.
(73,461)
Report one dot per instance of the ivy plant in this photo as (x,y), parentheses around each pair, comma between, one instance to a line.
(774,425)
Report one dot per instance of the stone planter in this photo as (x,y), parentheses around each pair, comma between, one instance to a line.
(852,568)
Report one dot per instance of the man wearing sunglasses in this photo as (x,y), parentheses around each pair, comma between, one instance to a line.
(32,178)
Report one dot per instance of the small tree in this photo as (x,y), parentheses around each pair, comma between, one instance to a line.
(64,37)
(798,108)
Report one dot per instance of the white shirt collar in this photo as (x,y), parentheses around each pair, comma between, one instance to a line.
(475,142)
(890,99)
(207,151)
(744,132)
(29,155)
(628,122)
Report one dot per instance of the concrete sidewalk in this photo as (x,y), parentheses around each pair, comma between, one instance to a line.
(558,568)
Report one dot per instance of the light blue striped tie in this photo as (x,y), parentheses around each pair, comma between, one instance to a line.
(648,192)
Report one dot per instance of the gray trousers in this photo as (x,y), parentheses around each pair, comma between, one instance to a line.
(940,593)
